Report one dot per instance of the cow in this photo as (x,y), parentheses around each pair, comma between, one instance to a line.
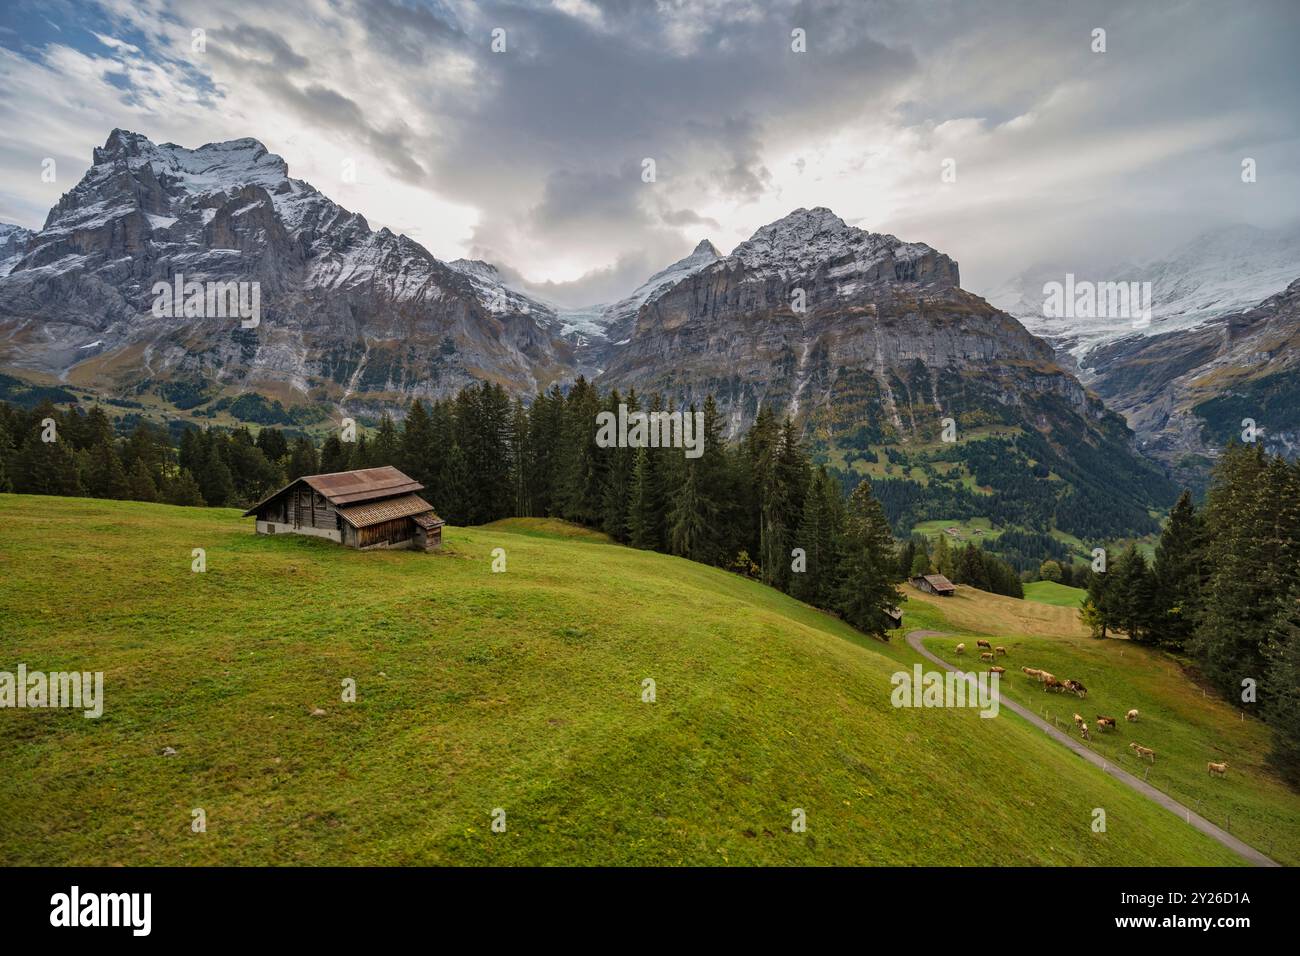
(1084,732)
(961,648)
(1104,722)
(1078,719)
(984,644)
(1217,769)
(1033,672)
(997,670)
(1076,687)
(1132,715)
(986,657)
(1051,683)
(1044,677)
(1000,650)
(1141,751)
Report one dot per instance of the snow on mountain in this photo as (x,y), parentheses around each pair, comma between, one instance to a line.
(12,241)
(809,239)
(1218,273)
(613,321)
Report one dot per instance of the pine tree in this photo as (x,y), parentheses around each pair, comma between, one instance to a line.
(1131,595)
(1281,689)
(942,559)
(184,490)
(869,566)
(302,461)
(1178,575)
(335,455)
(105,476)
(140,483)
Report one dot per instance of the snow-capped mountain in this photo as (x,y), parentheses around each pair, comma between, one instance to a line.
(1217,273)
(13,239)
(345,310)
(611,323)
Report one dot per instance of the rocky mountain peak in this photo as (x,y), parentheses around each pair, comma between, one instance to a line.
(811,240)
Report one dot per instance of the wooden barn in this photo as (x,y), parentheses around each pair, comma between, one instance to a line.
(370,508)
(934,584)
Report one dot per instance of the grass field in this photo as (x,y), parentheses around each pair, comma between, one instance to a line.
(1186,725)
(1050,592)
(520,691)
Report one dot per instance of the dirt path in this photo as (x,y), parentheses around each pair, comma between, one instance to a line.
(1243,850)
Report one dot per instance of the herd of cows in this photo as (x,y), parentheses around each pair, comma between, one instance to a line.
(1050,682)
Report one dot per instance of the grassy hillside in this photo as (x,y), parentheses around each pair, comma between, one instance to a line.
(1051,592)
(1186,725)
(478,691)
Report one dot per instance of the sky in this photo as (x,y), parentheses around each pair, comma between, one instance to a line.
(993,131)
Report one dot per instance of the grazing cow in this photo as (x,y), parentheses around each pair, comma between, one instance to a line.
(1217,769)
(1033,672)
(1076,687)
(1141,751)
(1078,719)
(961,648)
(1132,715)
(1051,683)
(1084,732)
(1000,650)
(1044,677)
(1104,722)
(997,670)
(984,644)
(986,657)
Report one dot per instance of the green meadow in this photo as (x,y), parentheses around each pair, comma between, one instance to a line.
(525,692)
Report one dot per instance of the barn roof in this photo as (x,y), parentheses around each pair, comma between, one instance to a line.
(940,582)
(374,512)
(351,487)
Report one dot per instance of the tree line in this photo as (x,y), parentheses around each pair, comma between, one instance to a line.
(1223,590)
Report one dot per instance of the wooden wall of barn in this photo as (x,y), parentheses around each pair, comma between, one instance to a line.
(386,532)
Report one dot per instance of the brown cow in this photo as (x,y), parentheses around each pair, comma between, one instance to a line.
(1078,719)
(1084,732)
(1217,769)
(984,644)
(1000,650)
(1033,672)
(986,657)
(1132,715)
(997,670)
(961,648)
(1076,687)
(1141,751)
(1051,683)
(1104,722)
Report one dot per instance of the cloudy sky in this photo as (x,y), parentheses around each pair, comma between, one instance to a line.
(532,157)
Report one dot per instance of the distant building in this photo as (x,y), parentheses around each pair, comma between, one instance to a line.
(370,508)
(895,615)
(935,584)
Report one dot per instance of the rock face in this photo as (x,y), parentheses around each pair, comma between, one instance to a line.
(810,313)
(1187,392)
(347,313)
(13,239)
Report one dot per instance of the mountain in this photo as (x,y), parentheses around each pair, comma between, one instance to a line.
(869,342)
(1186,393)
(13,239)
(347,313)
(1216,273)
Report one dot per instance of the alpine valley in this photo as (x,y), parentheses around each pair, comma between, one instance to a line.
(867,342)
